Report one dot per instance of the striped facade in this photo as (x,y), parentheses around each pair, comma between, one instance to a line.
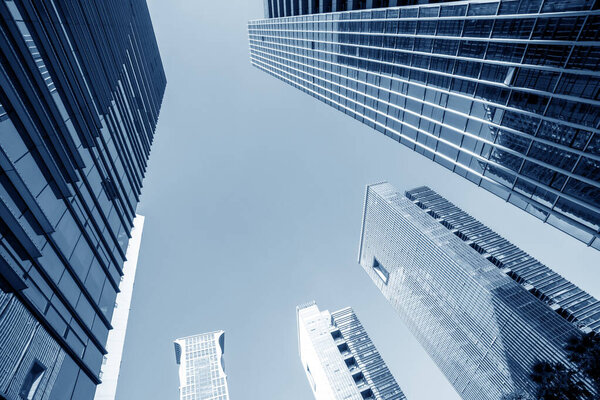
(504,93)
(81,86)
(568,300)
(202,367)
(288,8)
(479,306)
(340,360)
(24,342)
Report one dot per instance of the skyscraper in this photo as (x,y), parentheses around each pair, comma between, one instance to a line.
(111,365)
(202,367)
(288,8)
(503,93)
(339,359)
(81,85)
(484,310)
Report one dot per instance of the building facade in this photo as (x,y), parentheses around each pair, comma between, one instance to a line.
(111,364)
(484,310)
(504,93)
(339,359)
(202,367)
(81,85)
(288,8)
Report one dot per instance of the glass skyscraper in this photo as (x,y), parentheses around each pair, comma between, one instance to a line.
(202,367)
(340,361)
(81,85)
(484,310)
(504,93)
(287,8)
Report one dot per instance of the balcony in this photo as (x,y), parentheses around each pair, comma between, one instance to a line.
(353,369)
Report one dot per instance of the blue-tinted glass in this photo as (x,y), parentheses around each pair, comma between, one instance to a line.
(495,84)
(72,192)
(416,237)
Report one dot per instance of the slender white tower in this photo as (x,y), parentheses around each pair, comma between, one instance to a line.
(202,367)
(339,359)
(111,365)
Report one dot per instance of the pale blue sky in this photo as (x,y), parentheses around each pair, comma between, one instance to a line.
(253,204)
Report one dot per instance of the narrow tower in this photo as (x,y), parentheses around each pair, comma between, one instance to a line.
(340,361)
(202,367)
(111,365)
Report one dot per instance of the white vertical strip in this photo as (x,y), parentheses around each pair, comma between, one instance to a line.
(111,365)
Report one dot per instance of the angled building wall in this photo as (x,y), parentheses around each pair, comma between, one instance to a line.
(339,359)
(31,358)
(478,305)
(503,93)
(568,300)
(81,85)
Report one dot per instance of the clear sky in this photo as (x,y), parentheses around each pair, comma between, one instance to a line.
(253,203)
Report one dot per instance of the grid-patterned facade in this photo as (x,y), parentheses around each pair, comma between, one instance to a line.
(287,8)
(81,85)
(568,300)
(201,367)
(504,93)
(340,360)
(482,327)
(25,343)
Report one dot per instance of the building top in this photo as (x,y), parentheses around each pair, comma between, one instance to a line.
(220,335)
(202,366)
(289,8)
(217,332)
(569,301)
(306,305)
(292,8)
(339,358)
(472,318)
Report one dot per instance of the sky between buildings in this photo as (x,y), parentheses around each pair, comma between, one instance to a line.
(253,204)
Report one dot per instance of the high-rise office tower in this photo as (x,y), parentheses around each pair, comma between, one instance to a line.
(111,365)
(484,310)
(504,93)
(202,367)
(339,359)
(287,8)
(81,84)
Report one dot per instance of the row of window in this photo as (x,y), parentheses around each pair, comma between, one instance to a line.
(504,7)
(525,101)
(571,302)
